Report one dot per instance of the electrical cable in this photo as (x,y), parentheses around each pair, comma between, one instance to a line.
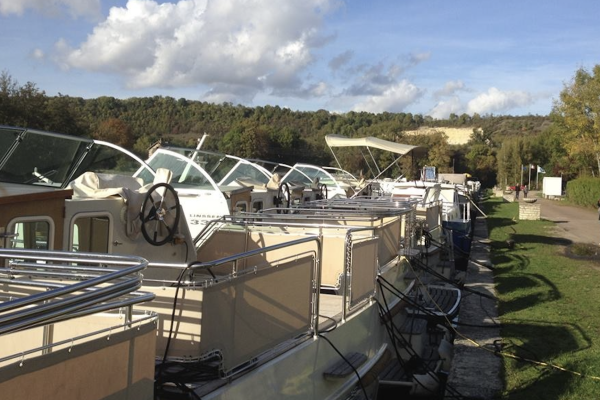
(162,376)
(443,278)
(331,329)
(509,355)
(173,311)
(364,390)
(449,324)
(408,347)
(399,337)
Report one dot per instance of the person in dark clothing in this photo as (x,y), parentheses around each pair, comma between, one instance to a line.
(525,191)
(517,190)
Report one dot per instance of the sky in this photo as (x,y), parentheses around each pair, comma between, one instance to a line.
(429,57)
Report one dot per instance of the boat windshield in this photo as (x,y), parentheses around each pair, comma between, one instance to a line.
(223,168)
(272,167)
(308,175)
(49,159)
(185,171)
(341,175)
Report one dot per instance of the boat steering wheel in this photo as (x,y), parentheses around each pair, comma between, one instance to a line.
(160,214)
(283,196)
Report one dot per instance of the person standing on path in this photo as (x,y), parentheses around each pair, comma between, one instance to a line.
(517,189)
(525,191)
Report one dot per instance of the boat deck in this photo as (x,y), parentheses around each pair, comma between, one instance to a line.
(330,310)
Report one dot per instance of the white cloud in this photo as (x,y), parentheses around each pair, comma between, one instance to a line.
(418,58)
(394,99)
(75,8)
(443,109)
(232,46)
(449,89)
(496,101)
(38,54)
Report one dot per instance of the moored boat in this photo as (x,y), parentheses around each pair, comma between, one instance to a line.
(318,303)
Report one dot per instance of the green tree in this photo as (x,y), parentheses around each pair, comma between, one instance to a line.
(115,131)
(577,112)
(514,154)
(8,89)
(481,161)
(246,140)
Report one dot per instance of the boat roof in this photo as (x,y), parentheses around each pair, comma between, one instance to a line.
(40,158)
(369,141)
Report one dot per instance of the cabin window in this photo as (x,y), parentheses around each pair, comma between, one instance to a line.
(31,233)
(257,206)
(91,234)
(240,207)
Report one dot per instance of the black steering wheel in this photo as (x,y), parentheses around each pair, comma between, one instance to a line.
(324,193)
(284,198)
(160,214)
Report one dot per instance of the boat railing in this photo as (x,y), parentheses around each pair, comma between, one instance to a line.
(263,291)
(40,290)
(210,227)
(241,306)
(356,245)
(393,220)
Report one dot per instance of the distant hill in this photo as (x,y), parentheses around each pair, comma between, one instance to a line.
(455,135)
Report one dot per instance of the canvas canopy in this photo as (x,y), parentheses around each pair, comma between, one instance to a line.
(343,141)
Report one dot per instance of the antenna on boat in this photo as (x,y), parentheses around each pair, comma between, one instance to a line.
(192,157)
(201,141)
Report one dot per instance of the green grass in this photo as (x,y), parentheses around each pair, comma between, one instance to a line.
(549,306)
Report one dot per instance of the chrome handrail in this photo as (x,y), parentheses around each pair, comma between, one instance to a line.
(75,294)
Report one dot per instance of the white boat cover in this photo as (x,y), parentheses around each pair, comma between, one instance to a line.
(343,141)
(92,185)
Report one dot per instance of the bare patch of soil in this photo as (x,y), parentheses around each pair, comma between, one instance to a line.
(583,251)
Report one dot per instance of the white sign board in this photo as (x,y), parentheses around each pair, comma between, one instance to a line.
(552,186)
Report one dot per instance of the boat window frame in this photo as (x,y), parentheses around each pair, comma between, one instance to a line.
(91,214)
(10,226)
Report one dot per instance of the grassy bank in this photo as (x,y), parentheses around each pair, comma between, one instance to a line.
(549,307)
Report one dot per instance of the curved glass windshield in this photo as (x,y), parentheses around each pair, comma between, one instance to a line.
(33,157)
(184,171)
(41,158)
(222,168)
(244,170)
(308,175)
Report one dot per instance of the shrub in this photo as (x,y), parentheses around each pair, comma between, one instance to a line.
(584,191)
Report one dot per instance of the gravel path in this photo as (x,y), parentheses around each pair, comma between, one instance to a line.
(577,224)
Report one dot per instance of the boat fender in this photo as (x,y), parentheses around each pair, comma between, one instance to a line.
(446,352)
(424,384)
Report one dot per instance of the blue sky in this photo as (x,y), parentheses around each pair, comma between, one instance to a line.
(428,57)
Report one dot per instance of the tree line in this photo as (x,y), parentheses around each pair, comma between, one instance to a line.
(565,142)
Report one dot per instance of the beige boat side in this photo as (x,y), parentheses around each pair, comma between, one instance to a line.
(68,330)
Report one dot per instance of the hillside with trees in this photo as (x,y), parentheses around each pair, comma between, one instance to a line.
(564,143)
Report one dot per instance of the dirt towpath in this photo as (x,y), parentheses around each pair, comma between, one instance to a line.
(577,224)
